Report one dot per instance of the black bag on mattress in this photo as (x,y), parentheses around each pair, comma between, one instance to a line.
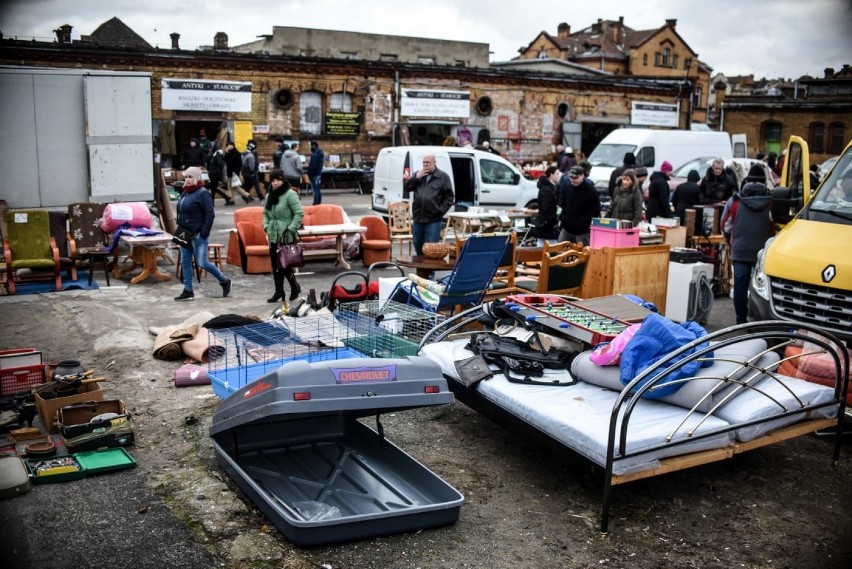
(515,357)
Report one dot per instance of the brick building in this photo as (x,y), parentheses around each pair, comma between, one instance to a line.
(614,48)
(355,106)
(817,109)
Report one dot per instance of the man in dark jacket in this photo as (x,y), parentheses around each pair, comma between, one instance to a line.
(431,197)
(752,227)
(192,155)
(580,203)
(629,163)
(686,195)
(718,185)
(658,193)
(233,165)
(216,172)
(250,168)
(315,171)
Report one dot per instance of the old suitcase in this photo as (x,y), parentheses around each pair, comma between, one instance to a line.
(94,425)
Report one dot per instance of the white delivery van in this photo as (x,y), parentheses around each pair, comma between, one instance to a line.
(652,148)
(479,178)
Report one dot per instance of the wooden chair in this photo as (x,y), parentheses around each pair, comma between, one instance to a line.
(59,233)
(31,253)
(399,224)
(375,243)
(563,267)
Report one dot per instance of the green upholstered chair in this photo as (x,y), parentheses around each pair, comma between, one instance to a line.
(31,253)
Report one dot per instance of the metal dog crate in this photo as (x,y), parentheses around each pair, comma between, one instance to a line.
(241,354)
(292,442)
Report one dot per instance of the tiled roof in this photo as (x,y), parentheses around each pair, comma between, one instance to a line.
(115,33)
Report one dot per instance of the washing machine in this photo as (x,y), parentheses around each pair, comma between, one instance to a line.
(689,292)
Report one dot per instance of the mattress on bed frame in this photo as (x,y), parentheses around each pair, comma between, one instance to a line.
(579,415)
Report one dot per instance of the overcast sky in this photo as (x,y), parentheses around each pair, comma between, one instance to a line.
(769,38)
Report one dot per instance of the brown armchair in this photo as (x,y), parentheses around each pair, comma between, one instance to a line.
(88,244)
(375,243)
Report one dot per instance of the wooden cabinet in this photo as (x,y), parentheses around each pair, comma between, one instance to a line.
(642,271)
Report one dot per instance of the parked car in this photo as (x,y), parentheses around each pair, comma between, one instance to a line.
(826,166)
(739,166)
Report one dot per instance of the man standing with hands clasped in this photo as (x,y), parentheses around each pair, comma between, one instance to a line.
(432,197)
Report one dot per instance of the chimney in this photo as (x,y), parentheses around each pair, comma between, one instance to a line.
(563,31)
(672,23)
(620,38)
(63,33)
(175,37)
(829,72)
(220,40)
(597,28)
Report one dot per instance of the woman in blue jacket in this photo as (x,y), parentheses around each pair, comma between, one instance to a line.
(195,212)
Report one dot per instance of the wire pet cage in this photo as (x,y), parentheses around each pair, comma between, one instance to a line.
(242,354)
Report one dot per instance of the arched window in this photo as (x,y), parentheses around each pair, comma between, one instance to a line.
(816,140)
(310,112)
(645,59)
(341,102)
(836,137)
(667,54)
(772,136)
(542,53)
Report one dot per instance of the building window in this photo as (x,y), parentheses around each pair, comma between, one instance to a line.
(310,112)
(667,54)
(696,97)
(658,58)
(772,136)
(426,59)
(542,53)
(388,57)
(340,102)
(674,61)
(816,140)
(836,137)
(461,63)
(687,63)
(349,54)
(645,59)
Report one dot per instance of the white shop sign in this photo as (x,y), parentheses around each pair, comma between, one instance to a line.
(429,103)
(206,95)
(654,114)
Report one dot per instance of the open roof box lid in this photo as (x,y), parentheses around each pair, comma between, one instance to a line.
(292,442)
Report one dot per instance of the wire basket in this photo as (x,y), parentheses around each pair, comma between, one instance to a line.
(242,354)
(389,330)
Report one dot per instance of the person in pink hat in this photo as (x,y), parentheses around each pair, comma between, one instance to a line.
(658,193)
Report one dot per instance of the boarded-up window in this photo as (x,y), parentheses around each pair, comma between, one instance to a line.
(310,112)
(341,102)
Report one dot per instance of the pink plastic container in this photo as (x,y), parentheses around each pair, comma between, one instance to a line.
(604,237)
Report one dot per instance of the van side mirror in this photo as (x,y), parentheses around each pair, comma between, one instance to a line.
(785,204)
(516,179)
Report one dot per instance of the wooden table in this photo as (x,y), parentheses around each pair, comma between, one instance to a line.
(464,223)
(145,251)
(338,231)
(424,266)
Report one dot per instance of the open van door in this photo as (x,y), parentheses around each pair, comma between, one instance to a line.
(739,143)
(794,189)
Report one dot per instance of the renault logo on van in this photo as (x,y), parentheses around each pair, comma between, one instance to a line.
(829,273)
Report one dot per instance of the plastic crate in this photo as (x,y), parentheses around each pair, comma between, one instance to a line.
(17,379)
(605,237)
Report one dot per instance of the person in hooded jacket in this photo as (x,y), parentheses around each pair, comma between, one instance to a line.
(658,193)
(192,155)
(291,165)
(627,202)
(216,172)
(545,223)
(687,195)
(282,217)
(752,226)
(629,162)
(195,212)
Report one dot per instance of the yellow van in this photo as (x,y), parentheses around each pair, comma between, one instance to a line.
(804,273)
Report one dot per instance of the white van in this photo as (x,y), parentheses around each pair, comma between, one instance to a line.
(479,178)
(652,148)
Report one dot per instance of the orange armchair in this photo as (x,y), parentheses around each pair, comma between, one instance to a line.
(375,243)
(254,248)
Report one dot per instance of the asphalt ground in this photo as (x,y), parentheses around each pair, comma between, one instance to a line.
(117,520)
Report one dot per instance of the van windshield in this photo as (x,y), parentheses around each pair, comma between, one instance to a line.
(834,196)
(611,155)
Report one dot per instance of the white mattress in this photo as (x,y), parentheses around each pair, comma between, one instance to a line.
(578,416)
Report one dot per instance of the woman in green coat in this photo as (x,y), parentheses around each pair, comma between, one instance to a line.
(282,218)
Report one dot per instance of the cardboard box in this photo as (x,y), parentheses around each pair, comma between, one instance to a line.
(48,408)
(85,426)
(675,236)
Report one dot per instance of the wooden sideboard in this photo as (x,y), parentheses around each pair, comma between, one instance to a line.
(642,271)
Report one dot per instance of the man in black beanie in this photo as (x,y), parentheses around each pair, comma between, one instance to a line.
(629,163)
